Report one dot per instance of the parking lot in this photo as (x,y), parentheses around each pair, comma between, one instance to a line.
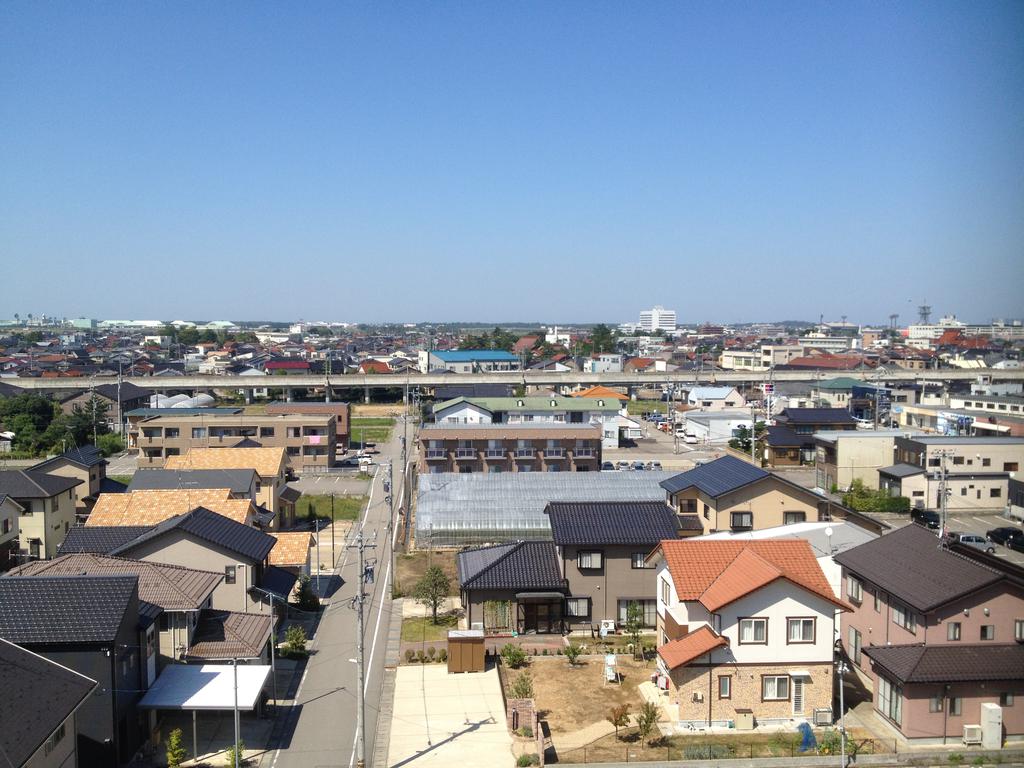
(968,523)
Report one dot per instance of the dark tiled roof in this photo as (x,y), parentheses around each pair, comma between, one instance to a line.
(290,494)
(30,484)
(901,470)
(128,391)
(611,522)
(101,539)
(39,695)
(237,480)
(86,456)
(690,523)
(65,609)
(109,485)
(525,565)
(171,587)
(784,437)
(716,477)
(202,523)
(816,416)
(949,663)
(910,564)
(227,634)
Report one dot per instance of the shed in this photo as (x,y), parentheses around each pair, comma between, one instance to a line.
(465,650)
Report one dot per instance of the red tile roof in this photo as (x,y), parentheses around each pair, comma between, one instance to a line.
(284,364)
(716,573)
(690,646)
(374,366)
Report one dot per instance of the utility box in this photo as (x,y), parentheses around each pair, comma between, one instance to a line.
(991,726)
(465,650)
(744,719)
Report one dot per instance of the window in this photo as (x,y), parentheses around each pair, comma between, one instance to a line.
(649,608)
(953,630)
(54,740)
(638,559)
(774,688)
(1005,699)
(665,597)
(986,462)
(904,617)
(1009,466)
(589,561)
(890,700)
(229,574)
(577,607)
(742,520)
(1018,630)
(6,525)
(266,431)
(854,645)
(172,432)
(957,460)
(854,589)
(707,511)
(789,518)
(753,631)
(800,630)
(688,505)
(995,493)
(956,706)
(725,686)
(988,631)
(935,703)
(877,601)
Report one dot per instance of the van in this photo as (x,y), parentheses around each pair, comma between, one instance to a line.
(926,517)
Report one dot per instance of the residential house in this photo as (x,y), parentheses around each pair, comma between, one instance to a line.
(43,698)
(716,425)
(240,483)
(88,465)
(604,362)
(469,361)
(783,447)
(271,474)
(293,552)
(715,398)
(48,504)
(528,410)
(804,422)
(153,507)
(744,626)
(977,471)
(935,633)
(10,513)
(118,397)
(89,624)
(527,447)
(286,367)
(848,455)
(600,392)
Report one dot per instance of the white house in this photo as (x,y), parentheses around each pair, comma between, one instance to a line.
(716,426)
(715,398)
(744,625)
(603,362)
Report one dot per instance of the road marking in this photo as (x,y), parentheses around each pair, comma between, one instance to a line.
(980,520)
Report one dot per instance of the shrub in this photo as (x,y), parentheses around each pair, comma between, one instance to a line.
(955,759)
(513,655)
(708,751)
(646,719)
(176,752)
(544,652)
(410,654)
(522,686)
(306,598)
(526,732)
(619,717)
(431,652)
(524,761)
(231,754)
(295,636)
(442,655)
(573,653)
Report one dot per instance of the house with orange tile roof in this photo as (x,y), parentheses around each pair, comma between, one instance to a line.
(743,626)
(154,507)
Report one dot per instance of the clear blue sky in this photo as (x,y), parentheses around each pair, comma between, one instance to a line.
(557,161)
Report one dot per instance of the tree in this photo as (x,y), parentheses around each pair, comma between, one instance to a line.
(235,754)
(87,422)
(513,655)
(619,717)
(572,653)
(295,637)
(307,599)
(188,336)
(742,440)
(432,589)
(176,753)
(36,421)
(522,686)
(602,338)
(634,626)
(110,444)
(646,719)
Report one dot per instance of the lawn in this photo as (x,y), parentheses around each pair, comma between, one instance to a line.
(126,479)
(345,507)
(409,568)
(371,429)
(421,629)
(637,407)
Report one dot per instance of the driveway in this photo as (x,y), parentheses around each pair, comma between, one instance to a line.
(441,719)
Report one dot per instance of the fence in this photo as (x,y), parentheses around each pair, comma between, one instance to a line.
(673,749)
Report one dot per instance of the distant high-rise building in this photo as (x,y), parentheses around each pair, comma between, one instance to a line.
(658,319)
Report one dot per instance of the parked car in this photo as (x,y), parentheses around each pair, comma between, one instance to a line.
(607,467)
(926,517)
(654,466)
(971,540)
(1004,535)
(690,439)
(1017,544)
(622,466)
(638,466)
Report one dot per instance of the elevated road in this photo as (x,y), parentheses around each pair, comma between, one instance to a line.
(199,383)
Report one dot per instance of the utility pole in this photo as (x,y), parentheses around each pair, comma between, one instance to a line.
(841,670)
(753,436)
(360,544)
(334,557)
(943,491)
(316,525)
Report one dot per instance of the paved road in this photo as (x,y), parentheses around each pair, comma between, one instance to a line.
(321,729)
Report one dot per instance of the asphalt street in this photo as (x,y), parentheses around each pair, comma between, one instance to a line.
(320,727)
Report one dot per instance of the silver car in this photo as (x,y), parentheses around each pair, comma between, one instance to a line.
(972,540)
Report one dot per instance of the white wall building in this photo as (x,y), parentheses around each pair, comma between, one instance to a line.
(658,319)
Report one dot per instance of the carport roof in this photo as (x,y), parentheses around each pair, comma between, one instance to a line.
(206,686)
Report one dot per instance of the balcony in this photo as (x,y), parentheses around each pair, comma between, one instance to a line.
(554,453)
(465,453)
(584,453)
(525,453)
(435,453)
(495,453)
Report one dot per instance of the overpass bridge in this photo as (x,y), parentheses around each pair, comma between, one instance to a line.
(408,382)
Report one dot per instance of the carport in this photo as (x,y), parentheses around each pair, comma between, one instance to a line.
(218,687)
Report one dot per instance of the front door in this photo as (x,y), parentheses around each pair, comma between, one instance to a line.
(798,695)
(541,618)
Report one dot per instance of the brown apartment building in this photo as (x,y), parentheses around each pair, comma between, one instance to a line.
(535,447)
(339,410)
(309,440)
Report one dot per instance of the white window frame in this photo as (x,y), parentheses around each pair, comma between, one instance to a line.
(890,700)
(902,616)
(954,631)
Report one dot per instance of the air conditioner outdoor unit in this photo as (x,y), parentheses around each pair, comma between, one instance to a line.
(823,716)
(972,734)
(478,625)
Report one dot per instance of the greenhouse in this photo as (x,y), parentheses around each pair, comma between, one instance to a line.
(461,510)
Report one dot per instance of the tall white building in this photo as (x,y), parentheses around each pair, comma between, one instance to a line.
(658,318)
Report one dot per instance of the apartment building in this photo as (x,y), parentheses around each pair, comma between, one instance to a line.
(657,319)
(309,440)
(977,471)
(340,411)
(531,447)
(468,361)
(844,456)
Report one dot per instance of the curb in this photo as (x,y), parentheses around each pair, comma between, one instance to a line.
(382,738)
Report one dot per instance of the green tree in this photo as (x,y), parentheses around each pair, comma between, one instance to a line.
(646,719)
(634,626)
(602,338)
(431,590)
(176,753)
(110,444)
(618,717)
(188,336)
(573,653)
(513,656)
(307,599)
(36,421)
(295,637)
(235,754)
(89,420)
(742,440)
(522,686)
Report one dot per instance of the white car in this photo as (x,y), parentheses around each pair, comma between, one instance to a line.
(690,439)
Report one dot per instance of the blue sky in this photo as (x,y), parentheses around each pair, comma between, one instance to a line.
(553,161)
